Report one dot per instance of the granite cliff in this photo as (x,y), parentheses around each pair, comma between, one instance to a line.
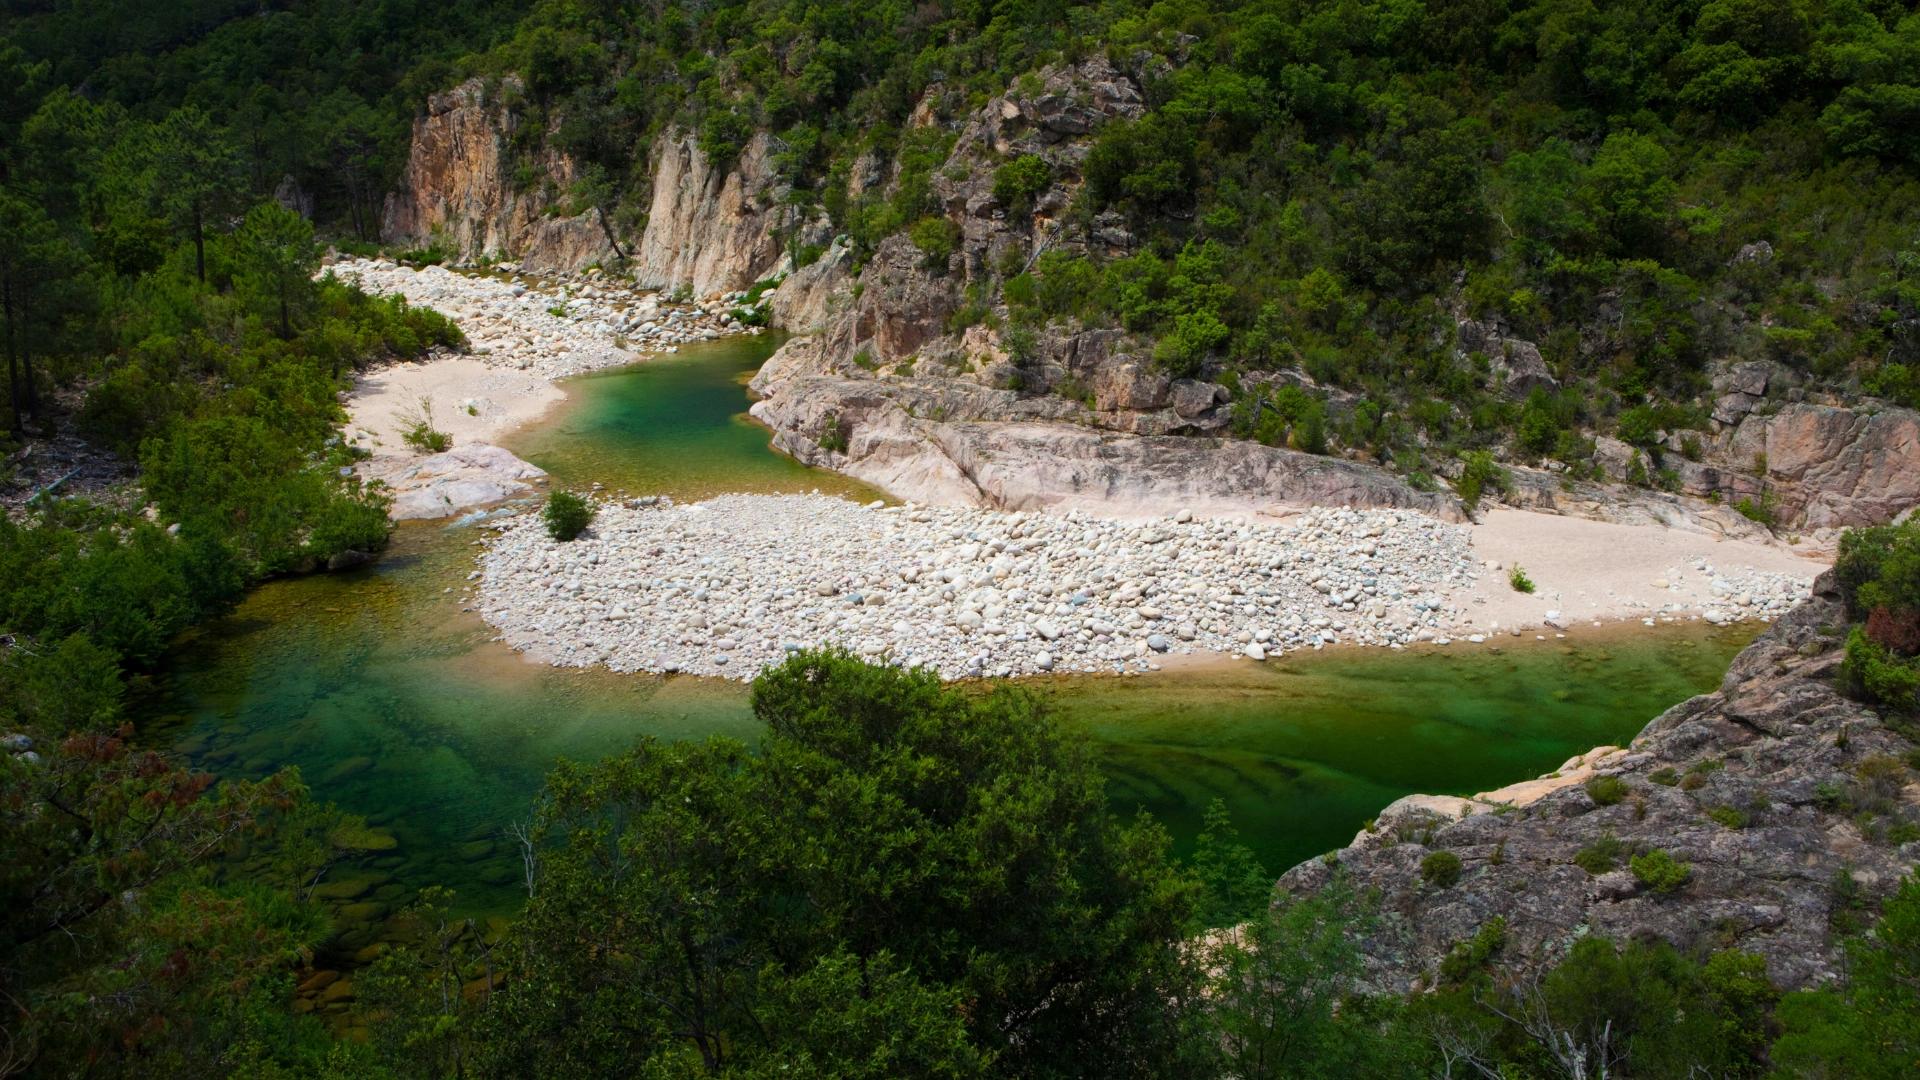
(904,371)
(459,188)
(1787,805)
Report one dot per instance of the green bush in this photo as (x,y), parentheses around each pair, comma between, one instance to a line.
(418,430)
(833,435)
(1440,869)
(1479,474)
(1518,578)
(566,515)
(1021,180)
(1469,956)
(1660,871)
(937,238)
(1607,790)
(1601,856)
(1729,816)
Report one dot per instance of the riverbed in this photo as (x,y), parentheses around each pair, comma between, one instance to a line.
(399,704)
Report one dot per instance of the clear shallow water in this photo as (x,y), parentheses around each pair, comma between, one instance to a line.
(397,705)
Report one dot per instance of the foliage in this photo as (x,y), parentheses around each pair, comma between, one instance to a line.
(1660,871)
(1234,884)
(939,846)
(1479,474)
(1518,579)
(1440,869)
(566,515)
(833,434)
(1285,998)
(1607,790)
(1601,856)
(1870,1028)
(1878,573)
(1018,182)
(418,431)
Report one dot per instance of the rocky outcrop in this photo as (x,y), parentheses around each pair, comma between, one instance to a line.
(1768,791)
(809,297)
(949,442)
(711,230)
(459,188)
(1516,362)
(450,483)
(1830,466)
(885,389)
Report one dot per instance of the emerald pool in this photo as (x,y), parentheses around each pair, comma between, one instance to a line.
(397,704)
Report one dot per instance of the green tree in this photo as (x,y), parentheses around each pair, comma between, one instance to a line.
(1236,885)
(30,250)
(1021,180)
(1870,1028)
(277,257)
(962,844)
(1630,189)
(1284,994)
(194,175)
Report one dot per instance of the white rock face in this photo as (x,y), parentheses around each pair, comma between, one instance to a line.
(445,484)
(967,592)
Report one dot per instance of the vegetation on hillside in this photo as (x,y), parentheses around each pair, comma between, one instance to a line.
(156,307)
(1325,186)
(901,879)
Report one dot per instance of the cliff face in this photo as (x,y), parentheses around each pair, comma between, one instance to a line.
(899,355)
(711,230)
(932,411)
(1768,789)
(458,189)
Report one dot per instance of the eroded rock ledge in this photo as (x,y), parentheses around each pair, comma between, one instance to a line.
(959,443)
(1755,787)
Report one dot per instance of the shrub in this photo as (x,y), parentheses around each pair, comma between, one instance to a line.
(1763,510)
(833,435)
(1479,474)
(937,238)
(1600,856)
(1660,871)
(419,431)
(566,515)
(1183,351)
(1441,869)
(1021,180)
(1518,578)
(1665,776)
(1469,956)
(1606,790)
(1730,816)
(1872,672)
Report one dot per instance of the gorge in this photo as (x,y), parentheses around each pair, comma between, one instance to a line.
(1095,539)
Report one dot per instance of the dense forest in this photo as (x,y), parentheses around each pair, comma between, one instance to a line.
(900,879)
(1648,192)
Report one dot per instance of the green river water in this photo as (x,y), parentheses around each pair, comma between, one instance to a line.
(397,705)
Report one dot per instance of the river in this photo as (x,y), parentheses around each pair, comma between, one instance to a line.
(398,705)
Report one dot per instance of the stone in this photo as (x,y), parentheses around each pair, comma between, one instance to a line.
(458,188)
(1768,740)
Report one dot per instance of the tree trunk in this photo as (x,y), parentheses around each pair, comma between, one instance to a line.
(26,378)
(199,244)
(13,376)
(606,226)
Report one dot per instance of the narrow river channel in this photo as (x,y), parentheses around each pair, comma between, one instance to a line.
(398,705)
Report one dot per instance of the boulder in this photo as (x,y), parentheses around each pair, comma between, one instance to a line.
(1767,743)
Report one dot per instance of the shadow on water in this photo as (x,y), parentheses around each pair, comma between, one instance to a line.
(398,705)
